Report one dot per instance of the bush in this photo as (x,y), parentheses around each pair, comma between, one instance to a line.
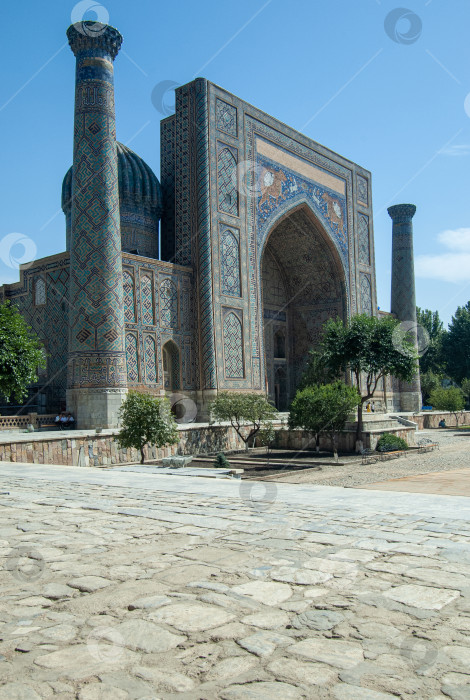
(391,442)
(221,461)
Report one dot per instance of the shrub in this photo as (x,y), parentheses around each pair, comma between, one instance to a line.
(391,442)
(221,461)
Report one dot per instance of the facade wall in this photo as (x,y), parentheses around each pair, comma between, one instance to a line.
(41,295)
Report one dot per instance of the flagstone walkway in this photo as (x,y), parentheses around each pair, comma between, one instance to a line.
(128,585)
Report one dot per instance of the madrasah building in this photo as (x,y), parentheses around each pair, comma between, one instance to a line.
(218,276)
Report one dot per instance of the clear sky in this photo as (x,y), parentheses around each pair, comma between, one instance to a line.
(387,91)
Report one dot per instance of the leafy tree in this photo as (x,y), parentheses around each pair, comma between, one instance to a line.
(240,409)
(369,348)
(324,409)
(465,386)
(21,354)
(429,382)
(456,344)
(450,399)
(146,420)
(267,435)
(432,358)
(317,371)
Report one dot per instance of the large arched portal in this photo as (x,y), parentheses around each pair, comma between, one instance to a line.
(302,287)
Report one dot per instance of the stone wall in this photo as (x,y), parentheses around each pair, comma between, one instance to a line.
(300,439)
(431,419)
(102,450)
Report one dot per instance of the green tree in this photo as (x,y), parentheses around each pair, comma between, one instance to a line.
(429,382)
(369,348)
(317,371)
(240,409)
(465,386)
(146,420)
(324,409)
(432,357)
(21,354)
(450,399)
(456,344)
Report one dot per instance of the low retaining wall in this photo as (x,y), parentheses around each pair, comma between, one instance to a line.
(431,419)
(102,450)
(300,439)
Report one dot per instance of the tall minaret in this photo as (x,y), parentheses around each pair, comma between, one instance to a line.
(403,303)
(97,378)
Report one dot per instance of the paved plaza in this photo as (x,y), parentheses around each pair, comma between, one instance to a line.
(124,585)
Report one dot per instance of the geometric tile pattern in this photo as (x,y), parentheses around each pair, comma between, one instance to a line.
(168,304)
(363,239)
(227,180)
(129,303)
(366,295)
(146,300)
(362,190)
(39,292)
(150,359)
(132,358)
(208,379)
(96,291)
(226,117)
(233,347)
(230,264)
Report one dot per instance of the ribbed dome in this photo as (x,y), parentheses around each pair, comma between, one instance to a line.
(137,182)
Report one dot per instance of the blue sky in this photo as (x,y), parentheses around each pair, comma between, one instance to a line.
(393,102)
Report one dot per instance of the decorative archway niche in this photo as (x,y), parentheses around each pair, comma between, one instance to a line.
(303,285)
(171,366)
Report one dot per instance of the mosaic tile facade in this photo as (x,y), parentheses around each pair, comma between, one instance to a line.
(363,239)
(233,346)
(230,263)
(227,179)
(168,304)
(366,295)
(226,117)
(362,190)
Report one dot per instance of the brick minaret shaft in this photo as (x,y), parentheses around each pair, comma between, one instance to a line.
(403,302)
(97,366)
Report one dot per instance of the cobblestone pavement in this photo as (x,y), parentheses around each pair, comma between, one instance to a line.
(454,453)
(119,585)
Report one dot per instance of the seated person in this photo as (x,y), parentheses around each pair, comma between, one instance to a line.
(70,420)
(442,423)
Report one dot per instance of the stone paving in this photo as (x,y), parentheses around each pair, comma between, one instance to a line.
(119,585)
